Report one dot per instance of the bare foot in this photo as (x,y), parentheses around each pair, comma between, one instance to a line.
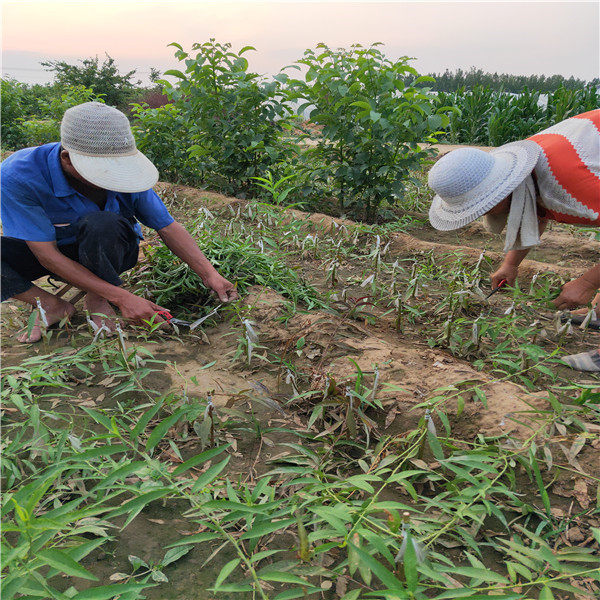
(55,310)
(101,312)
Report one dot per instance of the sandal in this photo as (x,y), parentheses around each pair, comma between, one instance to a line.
(584,361)
(594,322)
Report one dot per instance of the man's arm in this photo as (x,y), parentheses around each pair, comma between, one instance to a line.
(509,268)
(183,245)
(132,307)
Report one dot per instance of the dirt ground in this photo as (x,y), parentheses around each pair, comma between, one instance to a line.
(410,371)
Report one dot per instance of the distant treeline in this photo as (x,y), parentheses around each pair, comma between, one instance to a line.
(450,81)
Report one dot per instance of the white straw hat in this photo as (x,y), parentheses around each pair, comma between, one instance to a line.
(102,148)
(469,182)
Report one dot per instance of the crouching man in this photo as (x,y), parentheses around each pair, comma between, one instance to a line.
(71,210)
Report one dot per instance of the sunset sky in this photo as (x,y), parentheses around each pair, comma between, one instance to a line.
(514,37)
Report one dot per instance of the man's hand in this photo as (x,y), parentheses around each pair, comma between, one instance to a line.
(505,271)
(578,292)
(224,289)
(136,309)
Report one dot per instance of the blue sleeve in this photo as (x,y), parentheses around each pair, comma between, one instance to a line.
(22,214)
(150,210)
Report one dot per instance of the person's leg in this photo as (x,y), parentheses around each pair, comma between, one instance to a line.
(19,268)
(107,246)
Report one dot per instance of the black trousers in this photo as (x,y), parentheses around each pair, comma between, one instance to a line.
(105,243)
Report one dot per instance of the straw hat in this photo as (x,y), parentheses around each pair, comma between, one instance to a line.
(468,182)
(102,148)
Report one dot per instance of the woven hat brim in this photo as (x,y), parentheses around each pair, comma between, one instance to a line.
(126,174)
(512,163)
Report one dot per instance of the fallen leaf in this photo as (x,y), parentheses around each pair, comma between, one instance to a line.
(390,417)
(581,494)
(574,534)
(340,586)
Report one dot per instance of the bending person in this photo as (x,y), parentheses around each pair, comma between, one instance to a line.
(553,175)
(71,209)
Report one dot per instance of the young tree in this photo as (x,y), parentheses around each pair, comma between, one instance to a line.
(371,120)
(104,79)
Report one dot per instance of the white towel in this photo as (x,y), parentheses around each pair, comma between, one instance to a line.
(522,227)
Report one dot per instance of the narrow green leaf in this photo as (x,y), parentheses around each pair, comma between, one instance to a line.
(384,575)
(161,429)
(226,571)
(546,594)
(197,538)
(209,475)
(281,577)
(410,564)
(199,458)
(109,592)
(60,560)
(265,528)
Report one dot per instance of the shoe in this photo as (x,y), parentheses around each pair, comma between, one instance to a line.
(584,361)
(594,322)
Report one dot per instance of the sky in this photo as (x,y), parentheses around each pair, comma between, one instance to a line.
(522,38)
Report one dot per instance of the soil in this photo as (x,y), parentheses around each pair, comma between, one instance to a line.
(410,370)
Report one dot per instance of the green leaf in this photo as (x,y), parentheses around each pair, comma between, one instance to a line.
(174,554)
(410,565)
(135,505)
(481,574)
(109,592)
(264,528)
(209,475)
(161,429)
(540,484)
(301,592)
(175,73)
(281,577)
(119,474)
(145,419)
(197,538)
(382,573)
(546,594)
(435,446)
(60,560)
(199,458)
(225,572)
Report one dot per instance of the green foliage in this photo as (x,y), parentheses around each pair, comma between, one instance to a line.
(340,501)
(171,283)
(11,111)
(371,123)
(42,131)
(234,116)
(451,81)
(163,135)
(70,96)
(103,79)
(491,118)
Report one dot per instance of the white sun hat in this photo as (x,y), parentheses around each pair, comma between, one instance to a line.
(102,148)
(468,182)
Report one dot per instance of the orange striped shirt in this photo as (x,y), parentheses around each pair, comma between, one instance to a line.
(568,170)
